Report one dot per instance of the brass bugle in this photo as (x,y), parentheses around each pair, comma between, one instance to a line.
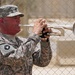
(54,33)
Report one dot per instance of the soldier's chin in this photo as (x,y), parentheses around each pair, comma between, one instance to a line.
(19,31)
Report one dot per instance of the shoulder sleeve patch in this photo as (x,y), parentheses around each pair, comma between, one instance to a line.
(6,49)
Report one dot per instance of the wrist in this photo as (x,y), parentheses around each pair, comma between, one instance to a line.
(45,39)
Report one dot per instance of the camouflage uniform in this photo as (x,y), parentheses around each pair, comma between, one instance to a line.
(26,54)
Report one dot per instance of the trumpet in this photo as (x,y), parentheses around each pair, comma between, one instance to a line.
(57,30)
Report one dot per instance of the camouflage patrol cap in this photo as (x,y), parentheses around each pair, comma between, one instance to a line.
(10,11)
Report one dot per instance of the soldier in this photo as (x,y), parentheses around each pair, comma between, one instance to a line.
(17,55)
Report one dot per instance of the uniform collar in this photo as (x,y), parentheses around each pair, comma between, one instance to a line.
(11,39)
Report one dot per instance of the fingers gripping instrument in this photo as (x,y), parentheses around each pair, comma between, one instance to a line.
(43,34)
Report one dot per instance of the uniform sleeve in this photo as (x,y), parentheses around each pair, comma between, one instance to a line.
(42,58)
(30,44)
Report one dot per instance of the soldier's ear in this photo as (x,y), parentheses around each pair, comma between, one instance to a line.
(1,20)
(1,23)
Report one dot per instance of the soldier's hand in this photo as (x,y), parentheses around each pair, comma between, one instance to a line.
(46,33)
(39,25)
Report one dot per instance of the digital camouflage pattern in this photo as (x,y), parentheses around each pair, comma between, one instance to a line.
(9,10)
(21,62)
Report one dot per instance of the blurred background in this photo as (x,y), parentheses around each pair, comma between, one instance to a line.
(58,13)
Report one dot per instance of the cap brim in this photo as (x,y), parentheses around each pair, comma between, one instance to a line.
(16,14)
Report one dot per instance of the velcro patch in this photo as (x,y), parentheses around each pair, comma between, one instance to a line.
(6,49)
